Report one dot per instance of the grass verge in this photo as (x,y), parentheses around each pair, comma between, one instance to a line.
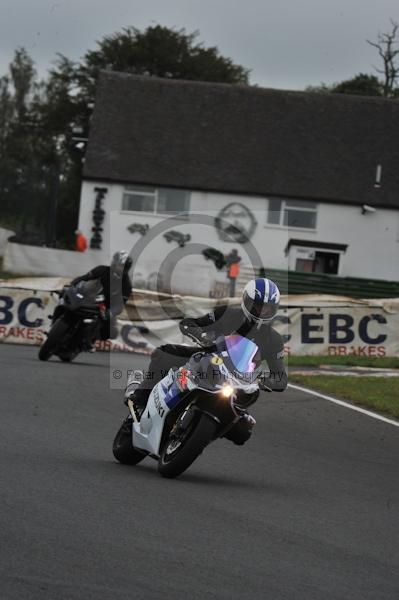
(385,362)
(379,393)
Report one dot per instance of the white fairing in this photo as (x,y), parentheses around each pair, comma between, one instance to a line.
(147,434)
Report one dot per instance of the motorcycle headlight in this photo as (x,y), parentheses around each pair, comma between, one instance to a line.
(227,391)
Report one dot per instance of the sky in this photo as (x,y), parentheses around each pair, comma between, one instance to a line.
(287,44)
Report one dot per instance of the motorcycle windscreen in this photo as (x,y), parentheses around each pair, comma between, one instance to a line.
(242,353)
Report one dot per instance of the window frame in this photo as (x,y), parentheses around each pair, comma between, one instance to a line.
(285,205)
(136,190)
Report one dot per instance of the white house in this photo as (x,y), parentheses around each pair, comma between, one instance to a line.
(294,181)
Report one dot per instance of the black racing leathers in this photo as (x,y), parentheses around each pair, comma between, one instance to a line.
(225,320)
(116,293)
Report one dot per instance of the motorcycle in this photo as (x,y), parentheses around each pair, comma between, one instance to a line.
(76,322)
(192,406)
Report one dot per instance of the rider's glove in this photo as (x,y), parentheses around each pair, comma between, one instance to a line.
(196,334)
(187,325)
(206,339)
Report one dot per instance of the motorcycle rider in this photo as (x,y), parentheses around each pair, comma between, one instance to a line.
(117,288)
(259,307)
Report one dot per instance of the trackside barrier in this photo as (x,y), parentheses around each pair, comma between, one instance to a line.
(39,261)
(321,325)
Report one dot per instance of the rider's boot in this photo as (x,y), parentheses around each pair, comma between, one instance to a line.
(138,397)
(242,430)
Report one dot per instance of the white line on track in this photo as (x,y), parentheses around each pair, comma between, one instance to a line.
(369,413)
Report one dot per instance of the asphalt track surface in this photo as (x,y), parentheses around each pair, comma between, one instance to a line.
(308,509)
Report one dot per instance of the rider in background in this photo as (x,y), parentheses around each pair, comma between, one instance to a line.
(253,320)
(117,288)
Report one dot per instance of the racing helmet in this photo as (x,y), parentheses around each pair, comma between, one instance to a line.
(260,300)
(120,263)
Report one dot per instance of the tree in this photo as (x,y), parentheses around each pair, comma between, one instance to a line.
(23,78)
(362,85)
(41,165)
(387,45)
(32,151)
(18,148)
(6,111)
(161,52)
(61,111)
(158,52)
(369,85)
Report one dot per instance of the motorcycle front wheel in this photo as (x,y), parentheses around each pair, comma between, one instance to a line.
(122,447)
(55,337)
(181,450)
(68,356)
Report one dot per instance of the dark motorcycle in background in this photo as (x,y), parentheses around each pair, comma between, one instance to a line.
(76,322)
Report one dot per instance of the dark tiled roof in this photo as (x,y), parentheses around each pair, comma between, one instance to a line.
(243,139)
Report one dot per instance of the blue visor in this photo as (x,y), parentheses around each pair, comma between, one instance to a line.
(241,352)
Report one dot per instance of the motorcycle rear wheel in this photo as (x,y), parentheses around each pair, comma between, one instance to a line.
(122,447)
(175,459)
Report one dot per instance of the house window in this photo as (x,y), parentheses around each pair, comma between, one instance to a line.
(137,199)
(172,201)
(320,262)
(161,201)
(292,213)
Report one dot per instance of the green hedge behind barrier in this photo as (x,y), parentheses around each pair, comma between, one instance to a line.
(294,282)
